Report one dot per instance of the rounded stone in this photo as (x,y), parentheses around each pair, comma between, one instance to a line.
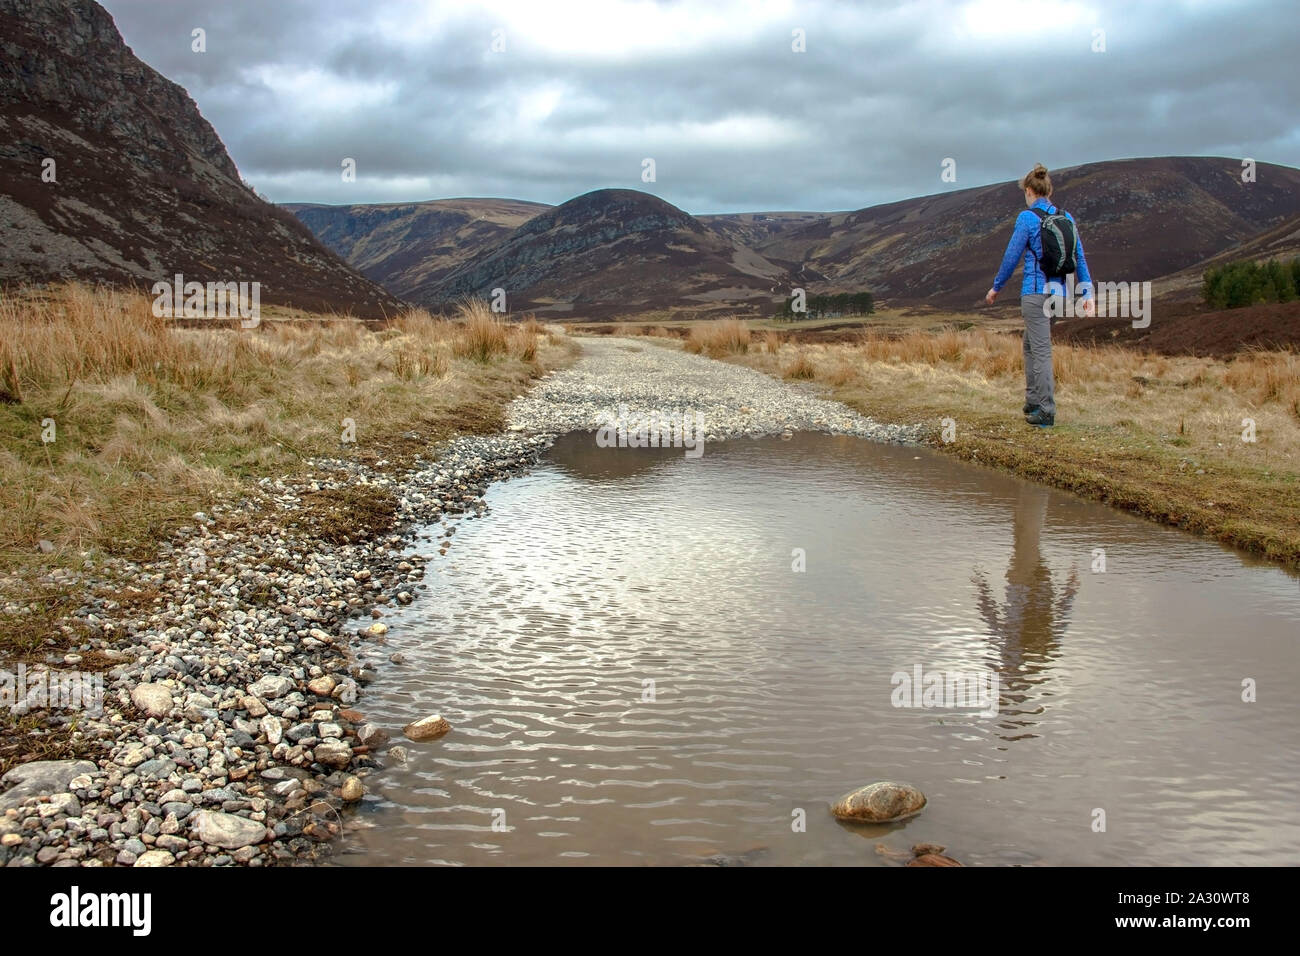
(227,830)
(270,687)
(427,728)
(322,686)
(884,802)
(353,789)
(333,753)
(154,699)
(154,858)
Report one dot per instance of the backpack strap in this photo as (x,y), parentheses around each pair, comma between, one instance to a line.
(1042,215)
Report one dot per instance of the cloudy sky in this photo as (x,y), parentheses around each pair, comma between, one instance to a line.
(537,100)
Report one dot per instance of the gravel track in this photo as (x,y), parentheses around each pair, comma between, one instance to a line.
(648,378)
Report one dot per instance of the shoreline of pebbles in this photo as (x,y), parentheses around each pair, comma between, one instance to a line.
(231,728)
(230,725)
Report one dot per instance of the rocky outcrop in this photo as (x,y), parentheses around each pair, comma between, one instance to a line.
(143,187)
(403,246)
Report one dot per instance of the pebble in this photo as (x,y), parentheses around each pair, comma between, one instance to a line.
(271,687)
(227,831)
(154,699)
(155,858)
(322,686)
(273,729)
(333,753)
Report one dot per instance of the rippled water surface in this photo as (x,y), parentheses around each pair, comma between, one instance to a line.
(603,570)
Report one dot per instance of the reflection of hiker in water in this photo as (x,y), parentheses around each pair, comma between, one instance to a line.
(1035,615)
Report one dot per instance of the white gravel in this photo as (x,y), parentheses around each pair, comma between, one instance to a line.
(652,379)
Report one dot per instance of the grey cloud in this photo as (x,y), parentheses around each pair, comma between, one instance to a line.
(882,96)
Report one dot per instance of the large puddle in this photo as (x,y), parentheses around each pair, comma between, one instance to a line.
(635,673)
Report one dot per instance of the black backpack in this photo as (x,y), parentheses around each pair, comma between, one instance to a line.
(1060,240)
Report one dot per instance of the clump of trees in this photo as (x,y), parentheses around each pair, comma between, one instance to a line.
(830,306)
(1238,284)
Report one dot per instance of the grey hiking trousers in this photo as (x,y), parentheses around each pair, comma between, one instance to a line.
(1040,388)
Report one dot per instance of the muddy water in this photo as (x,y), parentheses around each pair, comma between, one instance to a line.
(773,689)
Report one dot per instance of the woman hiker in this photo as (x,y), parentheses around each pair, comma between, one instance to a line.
(1048,241)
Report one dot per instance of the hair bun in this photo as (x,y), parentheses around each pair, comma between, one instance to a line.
(1037,180)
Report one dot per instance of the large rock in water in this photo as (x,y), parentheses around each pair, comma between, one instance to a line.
(882,802)
(427,728)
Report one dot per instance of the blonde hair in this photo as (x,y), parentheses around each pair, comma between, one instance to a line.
(1037,180)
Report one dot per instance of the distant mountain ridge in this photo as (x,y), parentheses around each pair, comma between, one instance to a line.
(144,187)
(1141,219)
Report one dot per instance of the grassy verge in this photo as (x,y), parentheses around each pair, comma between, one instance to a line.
(116,426)
(1159,436)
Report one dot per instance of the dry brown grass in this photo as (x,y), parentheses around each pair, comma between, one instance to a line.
(1158,435)
(151,422)
(1268,378)
(718,338)
(801,367)
(482,335)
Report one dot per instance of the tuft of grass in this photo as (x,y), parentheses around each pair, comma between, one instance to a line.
(719,338)
(801,367)
(1266,377)
(482,335)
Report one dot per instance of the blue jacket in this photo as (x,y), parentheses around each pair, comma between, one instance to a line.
(1027,243)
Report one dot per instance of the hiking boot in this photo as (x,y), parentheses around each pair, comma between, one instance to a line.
(1029,409)
(1040,419)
